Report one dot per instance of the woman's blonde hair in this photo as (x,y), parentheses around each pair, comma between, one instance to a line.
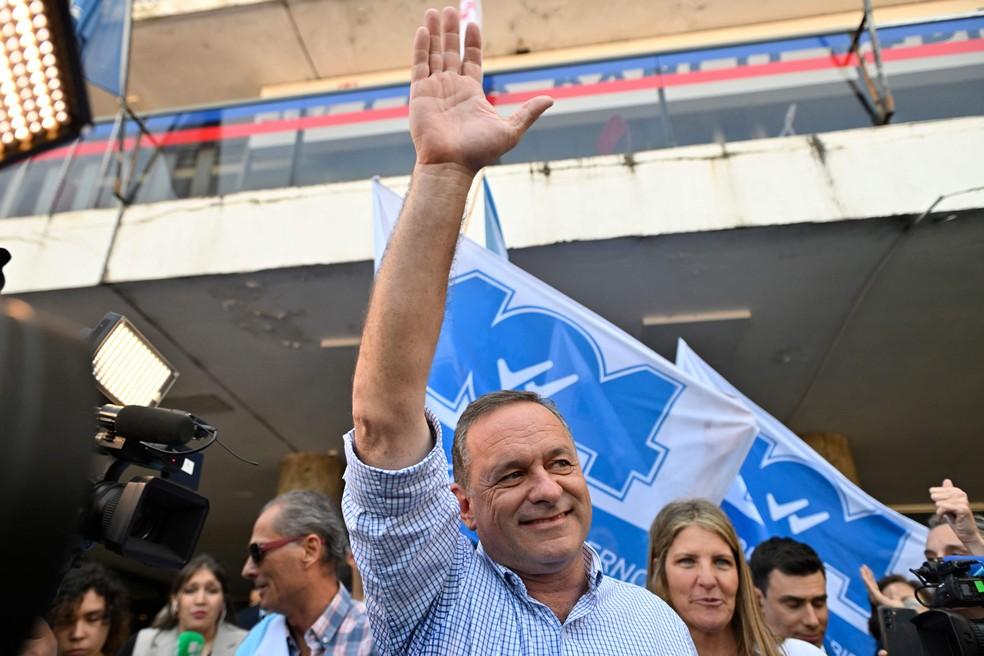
(753,636)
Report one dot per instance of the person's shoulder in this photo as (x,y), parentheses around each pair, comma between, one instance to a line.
(794,647)
(260,627)
(636,597)
(232,630)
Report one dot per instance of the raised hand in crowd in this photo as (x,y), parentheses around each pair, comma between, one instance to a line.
(898,594)
(953,506)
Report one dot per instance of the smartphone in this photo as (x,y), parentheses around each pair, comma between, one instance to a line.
(899,635)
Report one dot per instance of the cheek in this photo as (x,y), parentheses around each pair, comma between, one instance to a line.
(678,585)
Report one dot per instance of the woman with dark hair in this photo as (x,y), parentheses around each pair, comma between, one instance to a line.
(696,566)
(91,612)
(198,603)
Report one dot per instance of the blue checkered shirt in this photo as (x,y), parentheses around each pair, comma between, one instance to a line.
(428,591)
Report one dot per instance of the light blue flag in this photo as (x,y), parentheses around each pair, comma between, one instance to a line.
(99,26)
(645,432)
(495,241)
(786,488)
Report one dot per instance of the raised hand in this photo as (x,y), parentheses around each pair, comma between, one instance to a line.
(451,121)
(953,505)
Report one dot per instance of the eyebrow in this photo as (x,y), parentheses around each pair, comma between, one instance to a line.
(804,599)
(499,470)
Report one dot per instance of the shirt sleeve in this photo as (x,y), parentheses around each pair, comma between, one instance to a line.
(404,529)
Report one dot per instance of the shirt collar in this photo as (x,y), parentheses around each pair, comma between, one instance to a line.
(592,565)
(323,631)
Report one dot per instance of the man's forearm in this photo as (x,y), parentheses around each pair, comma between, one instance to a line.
(404,320)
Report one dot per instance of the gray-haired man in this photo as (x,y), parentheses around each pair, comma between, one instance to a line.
(297,542)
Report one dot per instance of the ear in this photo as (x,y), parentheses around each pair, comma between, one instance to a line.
(464,506)
(313,548)
(759,596)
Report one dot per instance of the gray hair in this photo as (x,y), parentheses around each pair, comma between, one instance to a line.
(483,405)
(303,512)
(938,520)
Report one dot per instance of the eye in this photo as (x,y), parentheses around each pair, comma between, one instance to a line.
(511,478)
(562,465)
(685,561)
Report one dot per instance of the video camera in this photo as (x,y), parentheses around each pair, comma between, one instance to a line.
(949,583)
(52,507)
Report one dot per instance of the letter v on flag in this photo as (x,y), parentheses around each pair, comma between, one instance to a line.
(786,488)
(645,432)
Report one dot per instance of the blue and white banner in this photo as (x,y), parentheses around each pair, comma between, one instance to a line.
(99,27)
(786,488)
(645,432)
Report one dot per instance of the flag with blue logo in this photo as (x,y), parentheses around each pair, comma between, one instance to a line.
(786,488)
(645,432)
(99,28)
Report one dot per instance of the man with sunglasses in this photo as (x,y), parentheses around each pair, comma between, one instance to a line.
(297,542)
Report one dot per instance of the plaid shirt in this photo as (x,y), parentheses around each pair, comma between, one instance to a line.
(341,630)
(429,592)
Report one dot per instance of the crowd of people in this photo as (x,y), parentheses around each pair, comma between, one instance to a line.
(531,584)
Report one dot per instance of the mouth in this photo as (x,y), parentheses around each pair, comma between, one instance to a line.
(552,520)
(709,601)
(199,614)
(812,638)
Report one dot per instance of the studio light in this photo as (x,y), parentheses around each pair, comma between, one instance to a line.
(43,99)
(127,367)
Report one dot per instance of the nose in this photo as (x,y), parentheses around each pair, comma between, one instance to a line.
(810,617)
(249,569)
(705,576)
(543,487)
(78,630)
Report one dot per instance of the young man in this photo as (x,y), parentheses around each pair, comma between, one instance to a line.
(532,585)
(91,613)
(791,586)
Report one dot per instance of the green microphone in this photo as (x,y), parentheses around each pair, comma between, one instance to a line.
(190,643)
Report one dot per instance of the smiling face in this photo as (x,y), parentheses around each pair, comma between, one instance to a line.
(86,630)
(280,578)
(526,497)
(200,602)
(702,580)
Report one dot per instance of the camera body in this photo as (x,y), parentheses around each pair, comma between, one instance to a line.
(955,583)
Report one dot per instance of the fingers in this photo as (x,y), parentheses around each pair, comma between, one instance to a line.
(452,41)
(531,110)
(869,582)
(420,64)
(432,21)
(472,62)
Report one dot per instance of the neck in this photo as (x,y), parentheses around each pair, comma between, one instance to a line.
(209,635)
(559,591)
(310,607)
(719,643)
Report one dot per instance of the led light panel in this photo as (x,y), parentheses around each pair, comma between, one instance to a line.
(127,367)
(42,93)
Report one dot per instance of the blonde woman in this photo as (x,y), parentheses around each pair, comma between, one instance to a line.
(697,567)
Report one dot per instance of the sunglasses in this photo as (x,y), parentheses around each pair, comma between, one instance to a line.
(259,550)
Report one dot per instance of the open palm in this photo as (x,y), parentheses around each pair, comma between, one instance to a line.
(451,121)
